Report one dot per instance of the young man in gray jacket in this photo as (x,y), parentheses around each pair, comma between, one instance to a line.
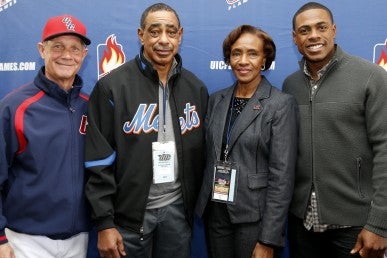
(339,205)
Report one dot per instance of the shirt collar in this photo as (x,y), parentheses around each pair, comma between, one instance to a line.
(319,73)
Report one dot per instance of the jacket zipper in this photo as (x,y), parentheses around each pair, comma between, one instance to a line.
(358,163)
(72,140)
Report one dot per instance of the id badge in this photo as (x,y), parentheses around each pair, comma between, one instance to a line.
(163,156)
(224,183)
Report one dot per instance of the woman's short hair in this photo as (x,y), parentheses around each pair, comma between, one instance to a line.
(269,48)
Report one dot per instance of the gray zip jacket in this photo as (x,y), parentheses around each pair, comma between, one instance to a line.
(343,143)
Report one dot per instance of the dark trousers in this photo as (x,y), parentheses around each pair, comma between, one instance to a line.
(227,240)
(333,243)
(167,234)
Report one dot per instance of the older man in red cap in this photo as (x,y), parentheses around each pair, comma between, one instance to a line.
(43,212)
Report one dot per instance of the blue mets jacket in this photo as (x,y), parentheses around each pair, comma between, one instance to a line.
(42,131)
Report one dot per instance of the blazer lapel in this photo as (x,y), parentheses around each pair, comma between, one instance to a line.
(220,115)
(252,109)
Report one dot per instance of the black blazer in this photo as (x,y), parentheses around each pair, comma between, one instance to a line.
(263,144)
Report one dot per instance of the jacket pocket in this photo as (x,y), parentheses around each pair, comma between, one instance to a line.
(256,181)
(359,177)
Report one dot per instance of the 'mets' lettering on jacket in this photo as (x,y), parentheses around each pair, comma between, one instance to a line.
(146,121)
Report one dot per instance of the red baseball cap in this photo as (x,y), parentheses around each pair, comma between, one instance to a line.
(64,24)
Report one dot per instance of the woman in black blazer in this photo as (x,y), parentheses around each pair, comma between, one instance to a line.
(251,137)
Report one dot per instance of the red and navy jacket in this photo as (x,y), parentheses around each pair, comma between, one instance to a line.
(42,132)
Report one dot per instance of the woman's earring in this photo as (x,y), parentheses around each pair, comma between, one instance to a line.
(263,67)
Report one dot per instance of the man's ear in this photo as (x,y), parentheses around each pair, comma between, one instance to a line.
(140,34)
(41,47)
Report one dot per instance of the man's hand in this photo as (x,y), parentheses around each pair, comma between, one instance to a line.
(370,245)
(6,251)
(262,251)
(110,243)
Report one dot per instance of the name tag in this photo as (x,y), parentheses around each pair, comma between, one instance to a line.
(163,156)
(225,182)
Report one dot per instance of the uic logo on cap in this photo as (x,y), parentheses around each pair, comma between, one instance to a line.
(69,24)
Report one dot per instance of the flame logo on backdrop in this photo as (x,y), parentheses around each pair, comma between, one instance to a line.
(380,54)
(109,56)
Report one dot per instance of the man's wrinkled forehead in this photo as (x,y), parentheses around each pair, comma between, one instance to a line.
(161,18)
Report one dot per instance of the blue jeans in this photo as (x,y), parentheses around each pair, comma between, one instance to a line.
(167,234)
(333,243)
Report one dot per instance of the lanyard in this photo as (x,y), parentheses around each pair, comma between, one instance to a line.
(165,95)
(163,115)
(229,128)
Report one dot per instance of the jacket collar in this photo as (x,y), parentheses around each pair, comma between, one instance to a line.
(252,109)
(262,92)
(147,69)
(53,90)
(337,57)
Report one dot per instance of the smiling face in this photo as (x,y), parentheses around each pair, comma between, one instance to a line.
(63,57)
(314,35)
(247,58)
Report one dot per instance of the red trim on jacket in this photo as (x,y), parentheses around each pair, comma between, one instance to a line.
(3,239)
(19,119)
(84,96)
